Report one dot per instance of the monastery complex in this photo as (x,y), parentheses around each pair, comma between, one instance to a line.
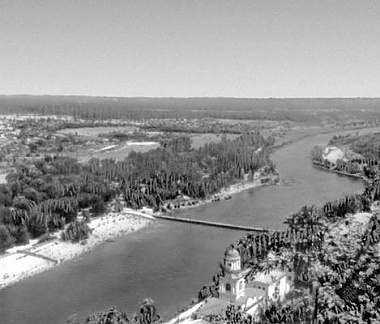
(236,292)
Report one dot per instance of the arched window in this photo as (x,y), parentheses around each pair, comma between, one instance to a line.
(228,287)
(240,285)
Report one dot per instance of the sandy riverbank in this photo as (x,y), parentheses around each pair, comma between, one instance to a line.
(17,264)
(22,262)
(225,193)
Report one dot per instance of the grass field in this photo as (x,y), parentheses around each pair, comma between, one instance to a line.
(119,153)
(95,131)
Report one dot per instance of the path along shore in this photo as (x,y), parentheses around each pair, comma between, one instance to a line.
(21,262)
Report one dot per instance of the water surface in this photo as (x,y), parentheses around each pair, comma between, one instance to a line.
(169,261)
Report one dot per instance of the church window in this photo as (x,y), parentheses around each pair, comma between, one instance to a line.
(228,287)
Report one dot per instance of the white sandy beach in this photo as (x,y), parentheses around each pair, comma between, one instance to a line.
(16,264)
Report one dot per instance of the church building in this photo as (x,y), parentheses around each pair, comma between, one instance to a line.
(232,285)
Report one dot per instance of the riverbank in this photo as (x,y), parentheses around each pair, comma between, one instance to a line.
(22,262)
(28,265)
(185,259)
(225,193)
(320,165)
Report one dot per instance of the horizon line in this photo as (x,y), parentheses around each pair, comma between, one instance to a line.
(172,97)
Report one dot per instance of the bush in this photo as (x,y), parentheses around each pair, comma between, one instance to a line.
(76,232)
(6,239)
(36,229)
(113,316)
(20,233)
(98,206)
(85,199)
(45,238)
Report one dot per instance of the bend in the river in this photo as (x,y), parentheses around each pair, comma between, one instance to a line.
(170,261)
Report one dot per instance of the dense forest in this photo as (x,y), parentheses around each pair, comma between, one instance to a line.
(367,145)
(45,195)
(297,110)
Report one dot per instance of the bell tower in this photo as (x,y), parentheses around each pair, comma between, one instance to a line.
(232,284)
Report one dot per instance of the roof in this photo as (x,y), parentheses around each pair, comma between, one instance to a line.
(269,278)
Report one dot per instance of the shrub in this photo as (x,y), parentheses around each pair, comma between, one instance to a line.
(76,232)
(36,229)
(45,237)
(85,199)
(20,233)
(6,239)
(113,316)
(98,206)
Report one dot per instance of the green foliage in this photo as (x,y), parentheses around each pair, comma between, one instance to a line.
(6,239)
(45,238)
(367,145)
(98,206)
(146,314)
(178,144)
(112,316)
(76,232)
(35,228)
(20,234)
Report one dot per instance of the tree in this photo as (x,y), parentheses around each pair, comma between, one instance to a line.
(6,239)
(147,313)
(112,316)
(76,232)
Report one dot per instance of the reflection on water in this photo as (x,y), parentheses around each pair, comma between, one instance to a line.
(170,261)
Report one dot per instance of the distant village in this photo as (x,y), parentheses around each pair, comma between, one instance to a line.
(26,138)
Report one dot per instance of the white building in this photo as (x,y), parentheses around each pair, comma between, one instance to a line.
(273,285)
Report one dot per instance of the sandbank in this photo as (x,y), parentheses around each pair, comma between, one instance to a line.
(22,262)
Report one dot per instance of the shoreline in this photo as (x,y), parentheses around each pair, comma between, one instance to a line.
(24,261)
(227,193)
(321,166)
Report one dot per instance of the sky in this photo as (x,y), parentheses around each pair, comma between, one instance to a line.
(191,48)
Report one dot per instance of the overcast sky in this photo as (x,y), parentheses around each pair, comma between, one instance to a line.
(191,48)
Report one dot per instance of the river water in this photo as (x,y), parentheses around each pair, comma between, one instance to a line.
(170,261)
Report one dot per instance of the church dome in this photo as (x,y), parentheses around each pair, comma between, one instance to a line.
(232,254)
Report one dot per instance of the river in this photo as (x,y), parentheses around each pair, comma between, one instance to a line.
(170,261)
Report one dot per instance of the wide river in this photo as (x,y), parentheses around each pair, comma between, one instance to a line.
(170,261)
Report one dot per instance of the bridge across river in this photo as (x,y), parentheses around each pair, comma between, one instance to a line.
(215,224)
